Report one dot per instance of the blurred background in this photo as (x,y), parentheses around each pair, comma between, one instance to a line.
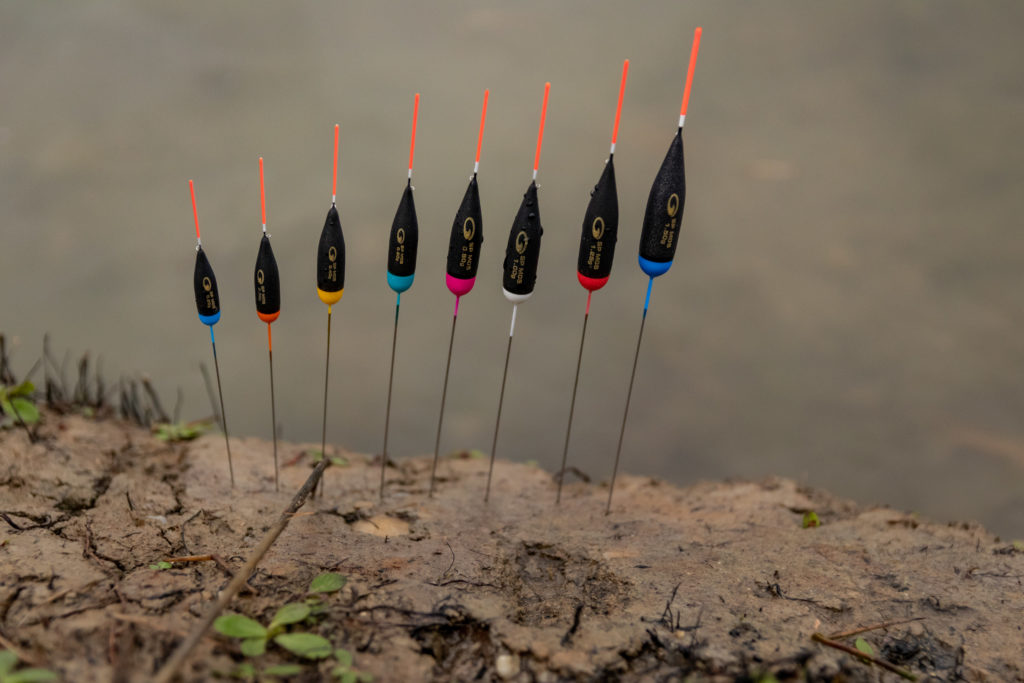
(845,306)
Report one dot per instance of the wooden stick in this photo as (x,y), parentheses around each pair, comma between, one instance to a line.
(902,673)
(873,627)
(190,558)
(177,659)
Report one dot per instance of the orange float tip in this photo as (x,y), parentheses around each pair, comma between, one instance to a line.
(269,317)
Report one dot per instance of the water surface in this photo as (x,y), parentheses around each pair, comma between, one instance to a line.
(845,302)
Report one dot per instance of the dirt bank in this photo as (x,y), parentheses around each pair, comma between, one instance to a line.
(720,580)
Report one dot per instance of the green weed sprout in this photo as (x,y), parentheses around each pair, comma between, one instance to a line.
(255,636)
(17,403)
(344,672)
(10,674)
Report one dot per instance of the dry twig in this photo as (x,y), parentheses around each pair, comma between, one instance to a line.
(902,673)
(177,659)
(873,627)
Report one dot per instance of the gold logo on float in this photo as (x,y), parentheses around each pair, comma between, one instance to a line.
(400,236)
(673,205)
(597,229)
(332,254)
(207,285)
(468,228)
(521,241)
(259,276)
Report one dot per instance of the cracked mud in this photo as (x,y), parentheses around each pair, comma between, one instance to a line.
(716,580)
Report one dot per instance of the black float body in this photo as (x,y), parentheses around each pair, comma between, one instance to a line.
(664,213)
(523,251)
(266,280)
(600,227)
(405,237)
(205,284)
(330,255)
(467,235)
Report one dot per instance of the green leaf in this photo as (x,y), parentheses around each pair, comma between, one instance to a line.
(30,676)
(292,613)
(7,661)
(1018,545)
(24,389)
(239,626)
(864,647)
(254,647)
(181,431)
(283,670)
(348,677)
(160,566)
(27,410)
(308,645)
(365,677)
(344,658)
(328,582)
(811,519)
(244,670)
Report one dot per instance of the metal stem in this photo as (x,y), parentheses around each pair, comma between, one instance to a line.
(273,409)
(572,405)
(223,415)
(501,400)
(629,395)
(444,394)
(323,432)
(387,412)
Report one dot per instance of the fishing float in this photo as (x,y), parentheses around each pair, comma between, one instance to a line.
(267,284)
(659,234)
(401,270)
(463,260)
(204,283)
(519,269)
(597,249)
(330,277)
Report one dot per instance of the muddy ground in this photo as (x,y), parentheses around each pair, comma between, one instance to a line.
(717,581)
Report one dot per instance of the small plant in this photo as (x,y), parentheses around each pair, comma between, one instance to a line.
(8,674)
(811,519)
(247,671)
(255,636)
(181,431)
(344,672)
(318,455)
(17,404)
(161,566)
(328,582)
(283,670)
(474,454)
(864,647)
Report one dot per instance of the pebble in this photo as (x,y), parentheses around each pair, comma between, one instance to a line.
(507,666)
